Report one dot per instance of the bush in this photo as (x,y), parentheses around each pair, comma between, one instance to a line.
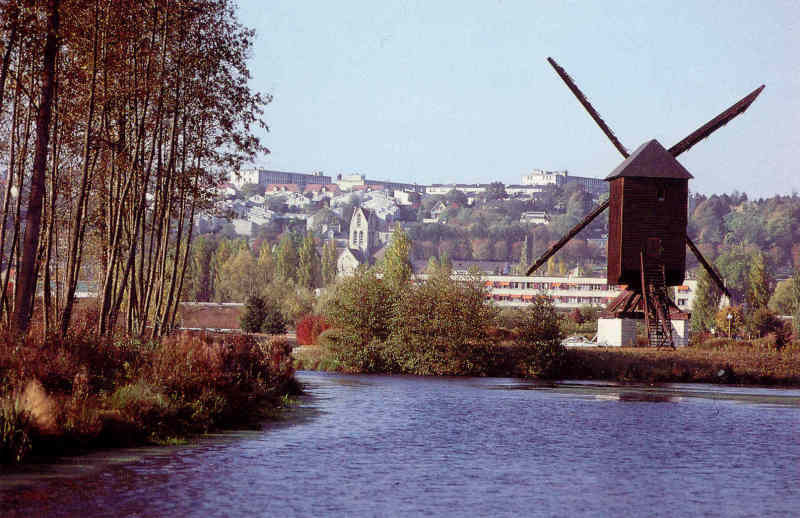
(15,441)
(441,327)
(274,323)
(360,305)
(509,317)
(538,344)
(576,316)
(309,328)
(84,391)
(763,322)
(262,315)
(255,311)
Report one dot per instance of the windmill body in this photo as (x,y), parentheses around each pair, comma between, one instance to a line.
(648,217)
(649,192)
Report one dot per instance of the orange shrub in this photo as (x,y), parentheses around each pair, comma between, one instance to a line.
(309,328)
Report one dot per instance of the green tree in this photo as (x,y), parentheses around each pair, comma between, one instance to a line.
(456,196)
(522,267)
(433,265)
(796,302)
(441,327)
(733,266)
(328,263)
(782,300)
(759,287)
(199,283)
(236,278)
(397,268)
(265,264)
(308,267)
(274,322)
(495,191)
(255,311)
(538,341)
(251,189)
(286,258)
(730,326)
(445,264)
(706,300)
(357,305)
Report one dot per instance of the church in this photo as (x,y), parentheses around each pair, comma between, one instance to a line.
(362,243)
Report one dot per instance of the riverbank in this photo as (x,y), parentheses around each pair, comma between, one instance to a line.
(721,361)
(81,392)
(718,361)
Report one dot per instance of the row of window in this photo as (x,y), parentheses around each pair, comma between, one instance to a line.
(547,286)
(587,301)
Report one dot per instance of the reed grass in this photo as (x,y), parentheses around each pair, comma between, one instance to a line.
(80,391)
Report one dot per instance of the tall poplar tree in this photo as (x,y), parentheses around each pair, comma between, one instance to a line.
(397,269)
(759,287)
(26,279)
(706,300)
(522,267)
(265,264)
(328,263)
(286,258)
(796,302)
(308,263)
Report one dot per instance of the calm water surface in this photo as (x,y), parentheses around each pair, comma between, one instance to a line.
(402,446)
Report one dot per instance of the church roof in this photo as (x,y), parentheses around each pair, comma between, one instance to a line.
(650,160)
(368,213)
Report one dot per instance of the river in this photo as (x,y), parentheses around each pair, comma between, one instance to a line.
(408,446)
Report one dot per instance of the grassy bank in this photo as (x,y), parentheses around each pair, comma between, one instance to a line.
(715,361)
(83,392)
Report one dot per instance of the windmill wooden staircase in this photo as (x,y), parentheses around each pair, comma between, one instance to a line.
(656,303)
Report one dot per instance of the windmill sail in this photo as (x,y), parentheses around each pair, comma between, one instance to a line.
(569,235)
(589,108)
(717,122)
(708,267)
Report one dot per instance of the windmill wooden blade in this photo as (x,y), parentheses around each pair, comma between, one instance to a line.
(709,268)
(589,108)
(717,122)
(569,235)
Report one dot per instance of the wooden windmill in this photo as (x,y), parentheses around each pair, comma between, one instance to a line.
(647,236)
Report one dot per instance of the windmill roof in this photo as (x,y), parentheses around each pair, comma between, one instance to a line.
(650,160)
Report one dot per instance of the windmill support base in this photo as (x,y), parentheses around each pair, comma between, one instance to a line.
(617,326)
(616,332)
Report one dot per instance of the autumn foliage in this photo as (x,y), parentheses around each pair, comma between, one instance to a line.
(309,328)
(82,391)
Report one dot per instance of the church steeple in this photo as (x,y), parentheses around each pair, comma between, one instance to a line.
(362,232)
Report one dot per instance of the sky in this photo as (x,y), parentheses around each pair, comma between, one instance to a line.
(460,91)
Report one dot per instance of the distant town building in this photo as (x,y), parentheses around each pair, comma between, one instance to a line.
(438,210)
(406,197)
(540,177)
(266,177)
(277,188)
(523,191)
(534,217)
(347,182)
(353,182)
(442,189)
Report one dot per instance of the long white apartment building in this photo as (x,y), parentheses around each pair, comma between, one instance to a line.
(566,292)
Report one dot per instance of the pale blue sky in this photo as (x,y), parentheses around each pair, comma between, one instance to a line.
(459,91)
